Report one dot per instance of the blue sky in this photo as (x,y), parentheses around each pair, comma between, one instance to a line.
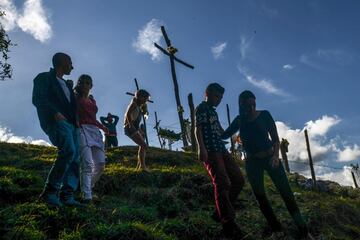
(300,58)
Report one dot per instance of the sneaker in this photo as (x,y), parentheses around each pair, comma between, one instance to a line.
(232,230)
(51,199)
(215,216)
(71,202)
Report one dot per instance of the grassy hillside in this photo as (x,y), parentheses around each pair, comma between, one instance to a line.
(174,201)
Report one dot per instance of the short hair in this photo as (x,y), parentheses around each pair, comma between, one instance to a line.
(142,93)
(215,87)
(58,58)
(246,95)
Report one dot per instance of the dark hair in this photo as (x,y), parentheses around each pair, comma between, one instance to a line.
(215,87)
(246,94)
(58,58)
(243,96)
(82,78)
(142,93)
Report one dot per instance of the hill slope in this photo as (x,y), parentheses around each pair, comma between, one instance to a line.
(174,201)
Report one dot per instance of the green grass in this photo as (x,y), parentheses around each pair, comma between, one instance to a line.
(174,201)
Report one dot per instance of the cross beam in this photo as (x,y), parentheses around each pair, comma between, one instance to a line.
(170,52)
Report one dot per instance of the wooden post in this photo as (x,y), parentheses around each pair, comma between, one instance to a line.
(284,149)
(310,160)
(143,117)
(229,122)
(170,52)
(192,119)
(157,129)
(354,179)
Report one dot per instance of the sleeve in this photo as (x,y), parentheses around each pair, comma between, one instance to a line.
(102,120)
(200,116)
(233,128)
(272,127)
(40,95)
(116,119)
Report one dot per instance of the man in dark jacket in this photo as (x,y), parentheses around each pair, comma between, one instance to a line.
(56,108)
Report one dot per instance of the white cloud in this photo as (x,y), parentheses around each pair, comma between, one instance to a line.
(35,21)
(9,20)
(288,67)
(321,126)
(322,58)
(263,84)
(7,136)
(349,153)
(270,12)
(146,38)
(328,155)
(218,49)
(245,43)
(32,20)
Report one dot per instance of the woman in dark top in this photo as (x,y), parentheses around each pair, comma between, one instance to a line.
(262,153)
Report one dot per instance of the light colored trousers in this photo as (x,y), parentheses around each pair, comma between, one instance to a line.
(92,163)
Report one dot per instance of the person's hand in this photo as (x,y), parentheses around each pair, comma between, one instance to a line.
(203,155)
(59,117)
(106,130)
(70,83)
(275,161)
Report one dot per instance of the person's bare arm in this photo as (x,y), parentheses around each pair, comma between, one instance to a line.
(202,152)
(129,120)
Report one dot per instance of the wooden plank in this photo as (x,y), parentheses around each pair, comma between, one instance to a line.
(310,159)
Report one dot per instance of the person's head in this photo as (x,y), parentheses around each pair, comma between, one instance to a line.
(214,93)
(142,96)
(62,62)
(83,86)
(247,103)
(109,118)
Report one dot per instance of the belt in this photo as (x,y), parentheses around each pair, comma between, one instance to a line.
(262,154)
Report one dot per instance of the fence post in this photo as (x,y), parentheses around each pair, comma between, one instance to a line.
(310,160)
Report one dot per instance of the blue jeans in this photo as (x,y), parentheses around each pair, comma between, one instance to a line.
(64,173)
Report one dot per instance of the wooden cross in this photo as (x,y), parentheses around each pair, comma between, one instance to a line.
(143,117)
(170,52)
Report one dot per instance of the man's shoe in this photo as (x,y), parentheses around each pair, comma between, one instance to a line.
(51,199)
(232,230)
(69,200)
(215,216)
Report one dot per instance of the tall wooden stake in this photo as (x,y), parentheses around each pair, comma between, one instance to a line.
(310,160)
(192,119)
(157,129)
(170,52)
(354,179)
(229,122)
(284,149)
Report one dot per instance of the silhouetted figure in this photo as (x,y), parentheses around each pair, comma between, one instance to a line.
(92,153)
(56,109)
(111,137)
(225,174)
(262,154)
(132,129)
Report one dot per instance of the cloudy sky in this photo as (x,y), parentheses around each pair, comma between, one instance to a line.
(300,58)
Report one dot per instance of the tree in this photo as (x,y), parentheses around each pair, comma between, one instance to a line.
(5,43)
